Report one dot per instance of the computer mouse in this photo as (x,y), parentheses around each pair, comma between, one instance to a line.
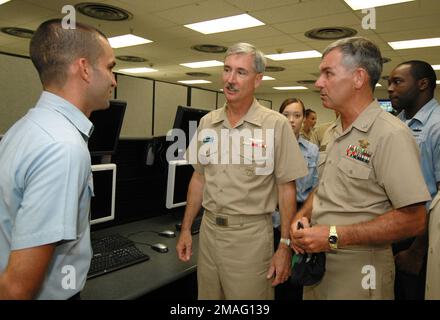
(167,234)
(159,247)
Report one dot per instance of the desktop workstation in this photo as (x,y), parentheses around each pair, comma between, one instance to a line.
(143,245)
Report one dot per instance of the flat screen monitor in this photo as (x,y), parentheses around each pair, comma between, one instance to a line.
(386,105)
(179,176)
(184,115)
(106,128)
(102,205)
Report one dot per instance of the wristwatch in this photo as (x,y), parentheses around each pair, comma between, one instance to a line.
(286,241)
(333,238)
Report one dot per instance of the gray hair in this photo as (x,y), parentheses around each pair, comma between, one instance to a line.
(359,52)
(245,48)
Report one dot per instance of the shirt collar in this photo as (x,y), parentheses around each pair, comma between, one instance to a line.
(422,115)
(69,111)
(252,116)
(302,141)
(367,117)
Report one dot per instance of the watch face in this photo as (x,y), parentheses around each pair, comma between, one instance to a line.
(333,239)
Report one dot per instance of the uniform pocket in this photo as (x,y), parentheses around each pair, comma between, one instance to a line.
(353,169)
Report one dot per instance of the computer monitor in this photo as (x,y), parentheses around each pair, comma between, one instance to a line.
(107,127)
(184,115)
(179,176)
(102,206)
(386,105)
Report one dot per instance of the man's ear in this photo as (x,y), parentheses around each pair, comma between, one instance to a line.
(83,69)
(258,79)
(423,84)
(360,77)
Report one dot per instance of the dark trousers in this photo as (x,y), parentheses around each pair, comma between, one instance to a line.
(409,286)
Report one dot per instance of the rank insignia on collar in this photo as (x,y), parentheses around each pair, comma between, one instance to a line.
(364,143)
(359,153)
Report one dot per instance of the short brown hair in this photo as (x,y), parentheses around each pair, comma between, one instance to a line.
(53,49)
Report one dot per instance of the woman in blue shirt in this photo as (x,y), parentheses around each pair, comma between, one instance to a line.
(294,111)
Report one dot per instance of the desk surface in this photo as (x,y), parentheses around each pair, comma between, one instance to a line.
(134,281)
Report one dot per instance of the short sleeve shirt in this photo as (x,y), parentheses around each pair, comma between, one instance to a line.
(45,190)
(306,184)
(243,165)
(365,171)
(425,127)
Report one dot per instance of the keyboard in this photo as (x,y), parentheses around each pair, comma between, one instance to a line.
(112,253)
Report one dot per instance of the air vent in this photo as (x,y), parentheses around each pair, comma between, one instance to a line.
(274,69)
(330,33)
(209,48)
(18,32)
(131,59)
(198,74)
(385,60)
(306,81)
(103,11)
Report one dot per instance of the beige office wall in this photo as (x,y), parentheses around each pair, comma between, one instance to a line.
(168,96)
(138,119)
(20,89)
(203,99)
(221,100)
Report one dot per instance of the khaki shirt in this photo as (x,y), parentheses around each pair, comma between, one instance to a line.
(385,175)
(241,175)
(432,289)
(365,171)
(311,136)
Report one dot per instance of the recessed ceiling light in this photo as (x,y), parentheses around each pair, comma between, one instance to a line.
(241,21)
(378,85)
(330,33)
(265,78)
(194,81)
(290,88)
(137,70)
(436,66)
(103,11)
(295,55)
(362,4)
(418,43)
(127,40)
(131,58)
(4,1)
(198,74)
(18,32)
(274,69)
(209,48)
(202,64)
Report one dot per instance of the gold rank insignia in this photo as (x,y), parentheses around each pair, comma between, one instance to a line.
(364,143)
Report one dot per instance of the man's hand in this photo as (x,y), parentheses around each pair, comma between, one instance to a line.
(184,245)
(280,265)
(310,240)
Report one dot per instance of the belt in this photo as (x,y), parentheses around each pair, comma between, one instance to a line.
(225,220)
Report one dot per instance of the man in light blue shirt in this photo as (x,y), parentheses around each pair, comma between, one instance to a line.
(45,169)
(411,90)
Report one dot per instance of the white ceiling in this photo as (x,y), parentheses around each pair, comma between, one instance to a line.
(286,22)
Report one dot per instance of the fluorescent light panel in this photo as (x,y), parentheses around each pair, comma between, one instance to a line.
(436,66)
(241,21)
(4,1)
(438,81)
(378,85)
(137,70)
(127,40)
(418,43)
(366,4)
(194,81)
(266,78)
(202,64)
(295,55)
(290,88)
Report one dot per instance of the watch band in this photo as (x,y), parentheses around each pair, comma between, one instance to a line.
(286,241)
(333,238)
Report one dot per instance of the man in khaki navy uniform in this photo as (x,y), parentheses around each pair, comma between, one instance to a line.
(432,288)
(235,257)
(363,202)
